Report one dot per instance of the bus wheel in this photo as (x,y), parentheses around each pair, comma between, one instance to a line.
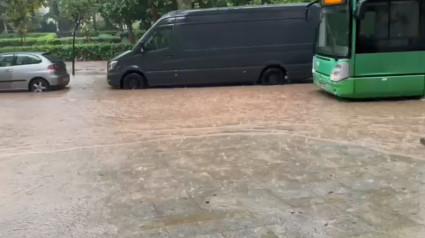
(133,81)
(273,76)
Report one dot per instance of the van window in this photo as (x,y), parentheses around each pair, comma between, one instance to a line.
(160,39)
(27,59)
(6,60)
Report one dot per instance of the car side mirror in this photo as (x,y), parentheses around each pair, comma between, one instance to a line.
(361,9)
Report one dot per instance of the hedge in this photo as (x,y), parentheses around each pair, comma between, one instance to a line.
(52,40)
(83,51)
(40,34)
(5,36)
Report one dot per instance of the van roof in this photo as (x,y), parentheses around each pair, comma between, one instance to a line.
(230,10)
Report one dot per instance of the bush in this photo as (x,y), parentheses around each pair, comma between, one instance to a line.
(5,36)
(139,33)
(47,39)
(83,51)
(40,34)
(114,33)
(83,40)
(78,34)
(50,39)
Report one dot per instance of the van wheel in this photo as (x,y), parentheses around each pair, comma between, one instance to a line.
(133,81)
(273,76)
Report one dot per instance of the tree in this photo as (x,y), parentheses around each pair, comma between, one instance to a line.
(20,13)
(77,11)
(184,4)
(3,18)
(126,12)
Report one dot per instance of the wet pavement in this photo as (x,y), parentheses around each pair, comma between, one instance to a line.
(241,161)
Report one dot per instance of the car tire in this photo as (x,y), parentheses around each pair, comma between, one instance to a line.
(273,76)
(133,81)
(38,85)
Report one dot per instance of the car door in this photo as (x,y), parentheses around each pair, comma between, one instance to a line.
(27,67)
(6,71)
(157,58)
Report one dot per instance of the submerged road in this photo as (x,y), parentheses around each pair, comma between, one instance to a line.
(241,161)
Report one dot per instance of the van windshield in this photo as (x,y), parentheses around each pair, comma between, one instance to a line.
(148,34)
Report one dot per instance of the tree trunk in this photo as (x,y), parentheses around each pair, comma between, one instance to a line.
(154,11)
(57,27)
(6,31)
(77,24)
(131,37)
(184,4)
(94,22)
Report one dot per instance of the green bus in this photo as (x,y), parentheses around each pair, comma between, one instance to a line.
(370,48)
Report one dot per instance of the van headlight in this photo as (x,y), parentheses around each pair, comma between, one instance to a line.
(340,72)
(112,65)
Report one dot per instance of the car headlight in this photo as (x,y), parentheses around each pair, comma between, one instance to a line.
(340,72)
(112,65)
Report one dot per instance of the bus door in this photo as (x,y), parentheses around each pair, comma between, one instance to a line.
(390,48)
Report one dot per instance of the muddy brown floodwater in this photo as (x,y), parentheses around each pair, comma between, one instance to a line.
(238,161)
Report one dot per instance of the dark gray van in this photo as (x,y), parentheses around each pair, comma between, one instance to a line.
(267,44)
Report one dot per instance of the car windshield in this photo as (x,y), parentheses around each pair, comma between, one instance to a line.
(333,34)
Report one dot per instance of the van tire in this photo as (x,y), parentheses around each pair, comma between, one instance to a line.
(273,76)
(133,81)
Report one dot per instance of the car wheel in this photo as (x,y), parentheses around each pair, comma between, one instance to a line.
(39,85)
(133,81)
(273,76)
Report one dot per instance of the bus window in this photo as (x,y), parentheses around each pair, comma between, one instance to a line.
(391,26)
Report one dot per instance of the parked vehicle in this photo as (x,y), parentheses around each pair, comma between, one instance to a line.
(36,72)
(268,45)
(371,49)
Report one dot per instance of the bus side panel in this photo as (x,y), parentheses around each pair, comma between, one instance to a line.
(390,74)
(390,86)
(389,63)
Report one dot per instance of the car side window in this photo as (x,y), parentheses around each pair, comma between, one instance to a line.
(27,59)
(6,60)
(160,39)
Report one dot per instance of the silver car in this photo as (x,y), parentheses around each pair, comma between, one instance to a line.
(36,72)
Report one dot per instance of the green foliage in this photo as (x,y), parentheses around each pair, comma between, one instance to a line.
(7,36)
(20,14)
(40,34)
(52,40)
(77,10)
(83,51)
(139,33)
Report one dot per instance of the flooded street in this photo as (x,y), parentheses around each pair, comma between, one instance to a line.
(240,161)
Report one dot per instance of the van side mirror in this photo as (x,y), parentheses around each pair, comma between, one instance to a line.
(361,9)
(142,48)
(307,10)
